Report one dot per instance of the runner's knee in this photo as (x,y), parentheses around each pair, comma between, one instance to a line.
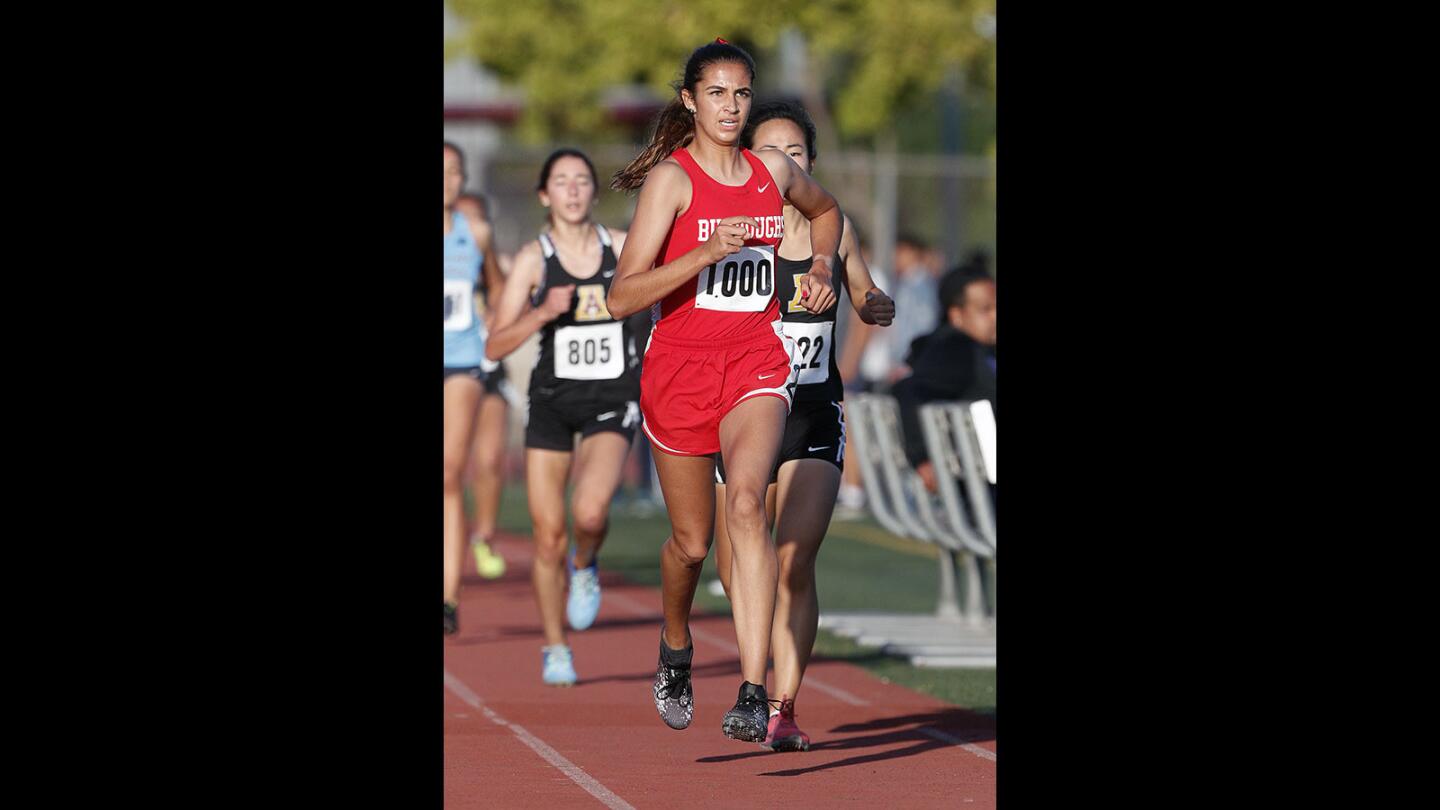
(489,455)
(453,472)
(797,569)
(591,517)
(691,549)
(744,511)
(550,548)
(550,541)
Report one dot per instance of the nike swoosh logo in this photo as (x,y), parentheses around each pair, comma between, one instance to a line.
(766,376)
(813,449)
(762,188)
(607,415)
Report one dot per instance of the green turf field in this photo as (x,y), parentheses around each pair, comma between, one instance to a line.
(860,567)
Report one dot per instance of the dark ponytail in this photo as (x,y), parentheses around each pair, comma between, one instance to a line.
(675,125)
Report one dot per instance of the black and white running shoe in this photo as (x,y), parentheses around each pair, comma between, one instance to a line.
(748,720)
(673,697)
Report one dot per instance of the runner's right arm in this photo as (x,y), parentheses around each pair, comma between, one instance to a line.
(515,319)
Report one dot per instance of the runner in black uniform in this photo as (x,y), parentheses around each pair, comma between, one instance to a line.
(585,378)
(812,453)
(586,381)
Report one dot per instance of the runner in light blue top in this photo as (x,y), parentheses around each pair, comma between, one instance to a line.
(464,342)
(467,244)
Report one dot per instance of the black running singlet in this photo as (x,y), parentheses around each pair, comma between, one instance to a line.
(814,335)
(585,351)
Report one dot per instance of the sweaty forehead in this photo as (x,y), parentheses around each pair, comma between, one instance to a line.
(725,74)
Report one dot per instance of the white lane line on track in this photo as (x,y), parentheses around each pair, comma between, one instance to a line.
(836,692)
(936,733)
(550,755)
(729,646)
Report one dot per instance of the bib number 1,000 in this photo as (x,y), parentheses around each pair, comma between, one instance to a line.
(743,282)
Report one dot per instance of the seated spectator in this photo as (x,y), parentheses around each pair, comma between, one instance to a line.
(873,359)
(954,362)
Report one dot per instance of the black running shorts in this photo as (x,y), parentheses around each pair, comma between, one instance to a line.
(469,371)
(552,424)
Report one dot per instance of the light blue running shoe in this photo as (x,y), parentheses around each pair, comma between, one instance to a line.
(584,602)
(559,668)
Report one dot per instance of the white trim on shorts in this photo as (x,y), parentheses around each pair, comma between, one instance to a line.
(672,451)
(788,387)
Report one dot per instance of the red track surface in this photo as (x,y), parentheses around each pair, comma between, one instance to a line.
(873,744)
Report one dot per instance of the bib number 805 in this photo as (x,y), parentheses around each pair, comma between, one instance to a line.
(589,352)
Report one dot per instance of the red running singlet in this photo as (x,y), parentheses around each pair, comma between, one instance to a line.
(736,296)
(718,340)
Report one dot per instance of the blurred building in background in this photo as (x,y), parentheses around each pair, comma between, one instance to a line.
(930,173)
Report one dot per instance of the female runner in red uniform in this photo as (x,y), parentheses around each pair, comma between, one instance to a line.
(717,374)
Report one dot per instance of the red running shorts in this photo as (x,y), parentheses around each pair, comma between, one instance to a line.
(688,386)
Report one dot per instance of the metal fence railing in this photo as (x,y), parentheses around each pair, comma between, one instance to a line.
(960,518)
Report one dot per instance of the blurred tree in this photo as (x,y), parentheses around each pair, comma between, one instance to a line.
(873,58)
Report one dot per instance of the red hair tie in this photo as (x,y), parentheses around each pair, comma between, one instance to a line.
(721,41)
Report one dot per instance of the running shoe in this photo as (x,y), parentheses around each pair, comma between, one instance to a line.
(452,618)
(584,602)
(487,563)
(783,734)
(673,696)
(748,720)
(559,669)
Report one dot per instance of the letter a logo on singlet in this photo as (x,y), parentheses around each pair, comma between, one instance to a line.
(590,303)
(795,305)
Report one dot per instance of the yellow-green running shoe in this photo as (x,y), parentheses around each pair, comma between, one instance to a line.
(487,563)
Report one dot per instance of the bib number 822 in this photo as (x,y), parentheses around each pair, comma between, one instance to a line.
(812,349)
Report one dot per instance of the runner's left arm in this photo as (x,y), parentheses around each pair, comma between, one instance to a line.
(494,280)
(870,302)
(821,208)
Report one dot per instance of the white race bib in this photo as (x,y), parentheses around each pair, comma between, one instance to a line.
(591,352)
(459,304)
(812,349)
(744,281)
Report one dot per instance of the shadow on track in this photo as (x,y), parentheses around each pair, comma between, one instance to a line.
(958,723)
